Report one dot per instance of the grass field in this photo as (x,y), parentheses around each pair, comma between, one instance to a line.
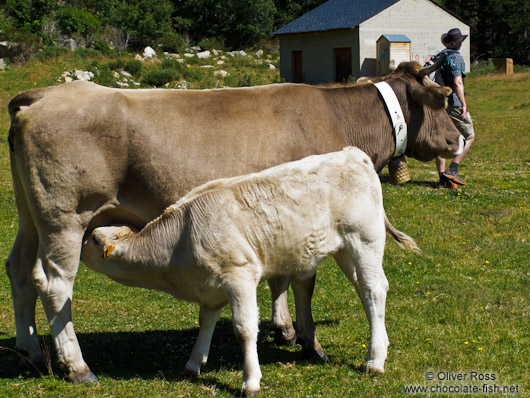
(461,308)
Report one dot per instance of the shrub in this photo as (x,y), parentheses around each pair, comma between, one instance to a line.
(172,42)
(72,19)
(241,80)
(482,68)
(159,77)
(171,63)
(117,64)
(103,75)
(103,47)
(212,43)
(51,52)
(134,67)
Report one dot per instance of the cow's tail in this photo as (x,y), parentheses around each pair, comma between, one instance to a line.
(17,104)
(401,238)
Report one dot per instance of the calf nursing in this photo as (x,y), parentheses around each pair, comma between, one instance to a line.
(216,244)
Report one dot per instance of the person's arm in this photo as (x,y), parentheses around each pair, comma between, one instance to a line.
(459,91)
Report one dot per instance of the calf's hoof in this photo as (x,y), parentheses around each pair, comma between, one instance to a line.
(36,365)
(284,336)
(249,393)
(83,377)
(373,368)
(190,373)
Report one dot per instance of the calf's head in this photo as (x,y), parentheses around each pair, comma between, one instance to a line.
(103,241)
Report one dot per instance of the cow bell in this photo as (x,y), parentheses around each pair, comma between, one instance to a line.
(398,170)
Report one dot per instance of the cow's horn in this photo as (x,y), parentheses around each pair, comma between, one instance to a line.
(431,68)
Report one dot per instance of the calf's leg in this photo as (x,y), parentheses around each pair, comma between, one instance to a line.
(305,327)
(199,356)
(282,323)
(241,292)
(364,268)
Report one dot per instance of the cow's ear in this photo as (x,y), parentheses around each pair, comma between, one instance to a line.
(433,97)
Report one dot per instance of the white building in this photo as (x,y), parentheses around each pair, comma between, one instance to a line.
(339,38)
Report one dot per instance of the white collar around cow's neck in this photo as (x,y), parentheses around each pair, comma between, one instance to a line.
(396,114)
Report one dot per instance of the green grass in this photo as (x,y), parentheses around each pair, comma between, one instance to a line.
(461,305)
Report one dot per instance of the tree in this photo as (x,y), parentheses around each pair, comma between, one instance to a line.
(248,22)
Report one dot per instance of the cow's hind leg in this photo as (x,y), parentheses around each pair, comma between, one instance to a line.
(241,292)
(282,323)
(53,276)
(305,327)
(199,356)
(19,267)
(364,268)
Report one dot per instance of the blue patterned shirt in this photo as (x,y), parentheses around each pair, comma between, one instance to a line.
(453,66)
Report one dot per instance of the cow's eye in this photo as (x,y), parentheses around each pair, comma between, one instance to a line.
(95,241)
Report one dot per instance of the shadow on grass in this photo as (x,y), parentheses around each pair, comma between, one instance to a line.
(385,179)
(161,354)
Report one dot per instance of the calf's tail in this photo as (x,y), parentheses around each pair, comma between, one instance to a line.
(401,238)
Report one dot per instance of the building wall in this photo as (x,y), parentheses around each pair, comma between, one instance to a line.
(420,20)
(318,63)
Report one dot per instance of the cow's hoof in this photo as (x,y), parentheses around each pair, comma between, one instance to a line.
(284,336)
(311,353)
(83,377)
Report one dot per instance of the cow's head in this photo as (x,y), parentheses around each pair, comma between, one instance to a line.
(430,130)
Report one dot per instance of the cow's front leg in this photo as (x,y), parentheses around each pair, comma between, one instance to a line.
(365,271)
(305,327)
(199,356)
(19,266)
(53,276)
(241,292)
(282,323)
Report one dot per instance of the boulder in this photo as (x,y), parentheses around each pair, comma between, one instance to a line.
(149,52)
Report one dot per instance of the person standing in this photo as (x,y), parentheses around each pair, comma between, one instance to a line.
(452,74)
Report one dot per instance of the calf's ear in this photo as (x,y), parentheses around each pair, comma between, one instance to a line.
(432,97)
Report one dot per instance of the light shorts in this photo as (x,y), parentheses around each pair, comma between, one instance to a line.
(464,126)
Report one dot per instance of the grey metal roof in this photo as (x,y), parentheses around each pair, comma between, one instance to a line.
(336,14)
(396,38)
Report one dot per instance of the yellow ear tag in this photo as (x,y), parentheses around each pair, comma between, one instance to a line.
(109,250)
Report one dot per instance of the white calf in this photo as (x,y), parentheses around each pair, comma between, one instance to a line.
(219,241)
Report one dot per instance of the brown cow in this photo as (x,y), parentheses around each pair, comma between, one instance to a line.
(84,156)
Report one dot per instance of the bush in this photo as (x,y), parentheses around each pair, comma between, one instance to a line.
(134,67)
(159,77)
(212,43)
(71,20)
(118,64)
(241,80)
(103,75)
(51,52)
(482,68)
(103,47)
(172,42)
(171,63)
